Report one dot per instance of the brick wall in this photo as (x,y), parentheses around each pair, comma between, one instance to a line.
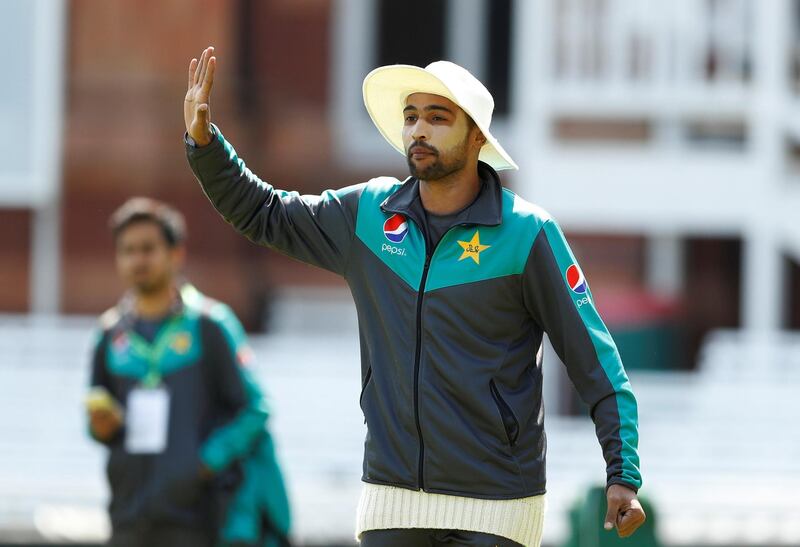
(126,79)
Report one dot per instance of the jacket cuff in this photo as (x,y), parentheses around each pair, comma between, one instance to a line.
(213,458)
(195,151)
(622,482)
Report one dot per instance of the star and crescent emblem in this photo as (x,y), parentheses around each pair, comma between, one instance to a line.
(473,248)
(182,342)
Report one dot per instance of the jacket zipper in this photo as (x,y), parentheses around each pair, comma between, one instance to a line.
(416,367)
(428,256)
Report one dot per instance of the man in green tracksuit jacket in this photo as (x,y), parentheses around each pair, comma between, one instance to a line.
(191,462)
(455,281)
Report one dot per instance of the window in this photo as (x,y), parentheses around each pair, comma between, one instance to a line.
(498,54)
(410,32)
(30,100)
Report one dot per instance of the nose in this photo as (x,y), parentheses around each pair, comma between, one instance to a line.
(419,131)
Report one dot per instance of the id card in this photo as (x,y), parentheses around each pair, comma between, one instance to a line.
(147,421)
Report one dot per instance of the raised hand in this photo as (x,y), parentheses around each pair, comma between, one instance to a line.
(196,107)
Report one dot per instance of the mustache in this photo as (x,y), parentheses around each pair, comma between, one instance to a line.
(421,144)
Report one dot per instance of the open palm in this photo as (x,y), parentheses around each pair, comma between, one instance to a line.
(196,107)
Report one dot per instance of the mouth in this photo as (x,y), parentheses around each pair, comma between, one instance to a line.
(420,152)
(140,274)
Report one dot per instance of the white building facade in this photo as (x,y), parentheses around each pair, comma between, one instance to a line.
(664,120)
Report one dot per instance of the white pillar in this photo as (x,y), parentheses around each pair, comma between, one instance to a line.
(45,277)
(664,266)
(534,36)
(466,35)
(50,51)
(762,284)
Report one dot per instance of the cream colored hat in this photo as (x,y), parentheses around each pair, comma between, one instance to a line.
(386,89)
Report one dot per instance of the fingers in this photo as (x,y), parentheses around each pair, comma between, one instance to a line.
(204,63)
(103,415)
(192,69)
(208,79)
(624,510)
(611,513)
(630,520)
(198,68)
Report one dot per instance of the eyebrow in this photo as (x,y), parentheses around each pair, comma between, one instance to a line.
(429,108)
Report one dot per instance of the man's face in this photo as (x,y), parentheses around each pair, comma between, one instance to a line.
(145,261)
(438,136)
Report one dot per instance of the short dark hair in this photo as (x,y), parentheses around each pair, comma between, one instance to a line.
(141,209)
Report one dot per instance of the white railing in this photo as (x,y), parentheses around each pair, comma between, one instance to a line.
(681,42)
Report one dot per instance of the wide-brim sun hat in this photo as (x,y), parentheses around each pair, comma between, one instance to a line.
(386,89)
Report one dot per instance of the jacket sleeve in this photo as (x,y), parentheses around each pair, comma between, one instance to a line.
(559,300)
(318,230)
(228,355)
(100,377)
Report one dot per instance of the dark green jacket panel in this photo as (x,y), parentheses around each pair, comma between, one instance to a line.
(385,306)
(318,230)
(242,414)
(481,392)
(165,487)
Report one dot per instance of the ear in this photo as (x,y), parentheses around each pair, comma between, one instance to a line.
(480,138)
(178,256)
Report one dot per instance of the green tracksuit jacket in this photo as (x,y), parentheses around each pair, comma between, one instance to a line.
(452,386)
(217,417)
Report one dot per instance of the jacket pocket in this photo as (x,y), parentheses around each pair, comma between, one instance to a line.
(367,379)
(510,422)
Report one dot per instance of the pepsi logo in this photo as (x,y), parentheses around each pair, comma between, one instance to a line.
(120,342)
(395,228)
(245,356)
(575,279)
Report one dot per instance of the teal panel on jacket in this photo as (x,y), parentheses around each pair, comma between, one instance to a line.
(177,345)
(260,500)
(400,243)
(467,254)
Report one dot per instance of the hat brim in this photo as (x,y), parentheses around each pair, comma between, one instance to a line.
(385,91)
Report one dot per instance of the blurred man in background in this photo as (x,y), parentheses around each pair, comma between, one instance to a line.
(190,460)
(455,280)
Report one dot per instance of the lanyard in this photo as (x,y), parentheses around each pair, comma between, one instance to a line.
(154,352)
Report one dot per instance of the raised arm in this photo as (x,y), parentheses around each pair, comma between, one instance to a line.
(318,230)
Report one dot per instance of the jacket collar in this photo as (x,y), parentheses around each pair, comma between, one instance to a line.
(126,307)
(487,209)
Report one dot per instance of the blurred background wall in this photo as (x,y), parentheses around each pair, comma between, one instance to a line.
(125,84)
(662,137)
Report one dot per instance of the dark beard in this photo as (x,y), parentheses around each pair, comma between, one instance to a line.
(148,288)
(439,168)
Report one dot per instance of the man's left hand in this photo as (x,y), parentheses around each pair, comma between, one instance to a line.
(624,510)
